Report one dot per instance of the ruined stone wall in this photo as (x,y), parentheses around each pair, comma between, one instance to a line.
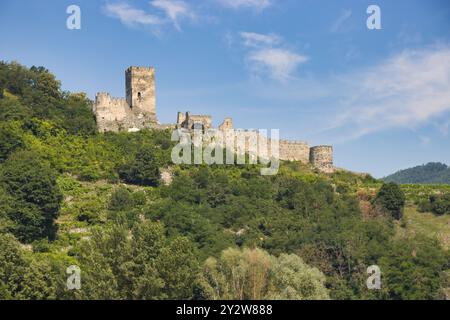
(110,112)
(294,151)
(205,120)
(321,157)
(250,141)
(187,120)
(227,124)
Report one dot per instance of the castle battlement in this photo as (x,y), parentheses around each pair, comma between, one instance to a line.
(293,142)
(138,110)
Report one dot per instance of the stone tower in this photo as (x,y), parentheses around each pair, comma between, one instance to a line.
(321,157)
(140,91)
(136,111)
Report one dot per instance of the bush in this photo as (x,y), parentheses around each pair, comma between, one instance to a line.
(143,170)
(121,199)
(392,199)
(438,204)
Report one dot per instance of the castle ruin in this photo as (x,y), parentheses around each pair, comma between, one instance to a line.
(138,111)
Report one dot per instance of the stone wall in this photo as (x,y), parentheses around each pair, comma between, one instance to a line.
(250,142)
(294,151)
(189,121)
(111,113)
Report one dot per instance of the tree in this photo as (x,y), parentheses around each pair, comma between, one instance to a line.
(39,281)
(10,140)
(292,279)
(137,263)
(143,170)
(13,265)
(254,274)
(31,182)
(121,199)
(392,199)
(414,269)
(77,114)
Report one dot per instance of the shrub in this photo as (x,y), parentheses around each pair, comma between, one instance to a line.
(392,199)
(121,199)
(143,170)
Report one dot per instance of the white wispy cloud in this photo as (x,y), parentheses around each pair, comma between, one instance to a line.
(408,90)
(267,55)
(131,16)
(174,10)
(252,39)
(339,22)
(280,63)
(257,5)
(170,11)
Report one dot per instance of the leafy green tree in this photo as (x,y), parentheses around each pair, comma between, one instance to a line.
(121,199)
(39,281)
(31,182)
(254,274)
(10,140)
(13,265)
(143,170)
(392,199)
(6,205)
(179,268)
(78,117)
(292,279)
(413,269)
(12,109)
(119,263)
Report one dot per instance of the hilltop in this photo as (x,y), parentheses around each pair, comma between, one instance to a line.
(72,196)
(430,173)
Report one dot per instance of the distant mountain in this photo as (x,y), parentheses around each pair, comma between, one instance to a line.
(433,172)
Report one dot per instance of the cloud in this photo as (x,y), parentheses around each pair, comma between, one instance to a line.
(257,5)
(130,16)
(408,90)
(267,55)
(252,39)
(174,10)
(344,16)
(280,63)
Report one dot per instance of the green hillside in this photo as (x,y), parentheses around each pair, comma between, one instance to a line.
(71,196)
(431,173)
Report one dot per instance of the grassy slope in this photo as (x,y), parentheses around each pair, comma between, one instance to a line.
(415,222)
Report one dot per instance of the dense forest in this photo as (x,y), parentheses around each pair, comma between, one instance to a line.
(71,196)
(431,173)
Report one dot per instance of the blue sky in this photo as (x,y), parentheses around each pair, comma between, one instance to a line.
(309,68)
